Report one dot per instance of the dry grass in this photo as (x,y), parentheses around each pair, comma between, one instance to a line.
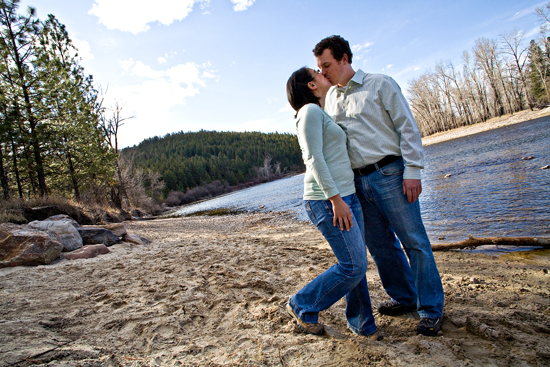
(22,211)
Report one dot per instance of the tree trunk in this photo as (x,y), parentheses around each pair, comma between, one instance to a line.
(15,168)
(73,177)
(4,176)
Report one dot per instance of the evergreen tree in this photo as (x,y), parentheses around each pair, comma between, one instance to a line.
(18,39)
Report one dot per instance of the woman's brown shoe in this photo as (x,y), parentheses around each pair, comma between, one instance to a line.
(315,329)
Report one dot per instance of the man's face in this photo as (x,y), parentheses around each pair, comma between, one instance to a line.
(331,68)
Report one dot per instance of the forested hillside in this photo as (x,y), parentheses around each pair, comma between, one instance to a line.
(188,160)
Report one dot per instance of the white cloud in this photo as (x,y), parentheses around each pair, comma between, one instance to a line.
(158,91)
(161,60)
(132,16)
(126,64)
(357,48)
(408,70)
(530,11)
(84,50)
(241,5)
(205,4)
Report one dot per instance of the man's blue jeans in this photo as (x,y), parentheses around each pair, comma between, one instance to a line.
(346,278)
(387,213)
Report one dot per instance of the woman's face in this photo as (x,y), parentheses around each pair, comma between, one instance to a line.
(319,85)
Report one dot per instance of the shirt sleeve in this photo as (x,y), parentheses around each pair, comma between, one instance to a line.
(410,141)
(310,137)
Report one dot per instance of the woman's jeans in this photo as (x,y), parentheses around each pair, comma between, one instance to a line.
(345,278)
(412,278)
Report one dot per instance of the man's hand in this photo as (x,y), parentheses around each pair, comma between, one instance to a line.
(412,189)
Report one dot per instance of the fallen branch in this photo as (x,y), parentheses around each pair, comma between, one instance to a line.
(499,241)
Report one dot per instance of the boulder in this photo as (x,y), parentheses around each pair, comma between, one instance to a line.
(10,227)
(64,231)
(64,218)
(87,252)
(94,235)
(27,247)
(135,239)
(119,229)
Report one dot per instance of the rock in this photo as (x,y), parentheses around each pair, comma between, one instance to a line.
(27,247)
(119,229)
(135,239)
(65,231)
(545,167)
(11,226)
(87,252)
(528,158)
(447,175)
(64,218)
(94,235)
(474,280)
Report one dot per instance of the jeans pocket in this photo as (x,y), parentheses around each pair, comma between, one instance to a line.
(310,213)
(393,169)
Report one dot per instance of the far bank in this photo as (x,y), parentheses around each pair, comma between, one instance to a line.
(493,123)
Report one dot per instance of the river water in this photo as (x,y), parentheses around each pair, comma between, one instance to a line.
(491,191)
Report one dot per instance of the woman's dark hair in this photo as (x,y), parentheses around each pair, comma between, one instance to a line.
(297,91)
(337,45)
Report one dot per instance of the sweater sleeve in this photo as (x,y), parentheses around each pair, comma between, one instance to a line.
(310,136)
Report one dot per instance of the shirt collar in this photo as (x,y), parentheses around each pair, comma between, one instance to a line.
(357,79)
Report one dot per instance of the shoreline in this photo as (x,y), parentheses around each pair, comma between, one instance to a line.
(491,124)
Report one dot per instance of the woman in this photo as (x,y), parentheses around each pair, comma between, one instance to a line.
(331,204)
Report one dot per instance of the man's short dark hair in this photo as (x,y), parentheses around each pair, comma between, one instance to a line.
(337,45)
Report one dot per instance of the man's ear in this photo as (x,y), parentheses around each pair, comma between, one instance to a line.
(344,59)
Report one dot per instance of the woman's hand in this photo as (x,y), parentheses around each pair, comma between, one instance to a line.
(342,214)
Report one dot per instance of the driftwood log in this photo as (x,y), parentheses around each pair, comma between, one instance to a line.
(498,241)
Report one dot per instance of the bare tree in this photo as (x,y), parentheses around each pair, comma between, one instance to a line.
(512,46)
(111,126)
(544,12)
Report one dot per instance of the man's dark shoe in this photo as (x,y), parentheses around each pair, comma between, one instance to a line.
(429,326)
(394,308)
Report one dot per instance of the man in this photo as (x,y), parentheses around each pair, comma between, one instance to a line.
(385,149)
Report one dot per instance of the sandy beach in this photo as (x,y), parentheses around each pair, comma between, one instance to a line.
(211,291)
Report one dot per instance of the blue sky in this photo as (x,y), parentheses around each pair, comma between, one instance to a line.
(185,65)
